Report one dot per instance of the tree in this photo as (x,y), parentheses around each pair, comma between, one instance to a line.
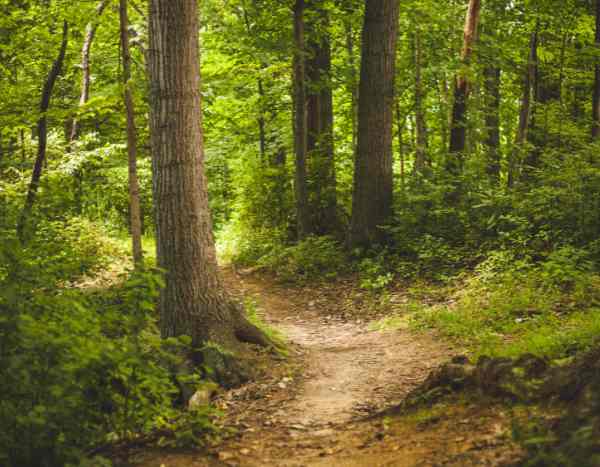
(303,226)
(373,180)
(86,49)
(596,94)
(525,108)
(458,127)
(194,300)
(42,131)
(319,125)
(135,216)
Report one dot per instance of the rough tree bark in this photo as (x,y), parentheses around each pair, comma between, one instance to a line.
(373,181)
(458,128)
(90,32)
(194,300)
(596,96)
(491,75)
(42,131)
(319,126)
(300,122)
(135,215)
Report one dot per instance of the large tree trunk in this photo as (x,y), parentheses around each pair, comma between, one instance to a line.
(300,123)
(135,215)
(90,32)
(320,122)
(525,110)
(420,122)
(458,128)
(373,180)
(194,301)
(596,97)
(492,121)
(42,131)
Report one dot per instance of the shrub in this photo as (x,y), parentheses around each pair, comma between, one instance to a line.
(312,258)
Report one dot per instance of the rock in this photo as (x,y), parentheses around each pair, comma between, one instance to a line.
(244,451)
(201,398)
(225,456)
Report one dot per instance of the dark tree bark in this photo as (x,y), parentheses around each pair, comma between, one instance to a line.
(42,131)
(596,96)
(373,180)
(300,123)
(135,215)
(458,128)
(492,76)
(319,125)
(90,32)
(194,300)
(420,121)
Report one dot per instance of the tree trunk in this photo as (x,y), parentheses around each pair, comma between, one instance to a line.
(492,121)
(400,123)
(353,83)
(135,216)
(194,301)
(90,32)
(373,180)
(420,123)
(458,128)
(42,131)
(319,125)
(300,123)
(596,96)
(525,110)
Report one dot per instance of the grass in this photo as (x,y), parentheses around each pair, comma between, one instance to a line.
(517,314)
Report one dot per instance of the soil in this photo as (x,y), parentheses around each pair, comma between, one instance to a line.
(323,404)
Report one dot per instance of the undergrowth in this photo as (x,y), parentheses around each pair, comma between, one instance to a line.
(81,368)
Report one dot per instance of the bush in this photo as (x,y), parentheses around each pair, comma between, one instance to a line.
(513,305)
(312,258)
(81,369)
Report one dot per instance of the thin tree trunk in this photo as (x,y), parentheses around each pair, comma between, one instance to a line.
(194,301)
(596,96)
(525,110)
(492,120)
(319,129)
(420,122)
(401,122)
(353,83)
(458,128)
(300,123)
(373,177)
(262,138)
(135,215)
(42,131)
(90,32)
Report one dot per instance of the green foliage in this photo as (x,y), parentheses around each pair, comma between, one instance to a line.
(80,368)
(312,258)
(513,306)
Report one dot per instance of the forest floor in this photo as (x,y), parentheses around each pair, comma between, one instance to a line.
(330,401)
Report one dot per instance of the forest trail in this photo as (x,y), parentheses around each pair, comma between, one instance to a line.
(313,408)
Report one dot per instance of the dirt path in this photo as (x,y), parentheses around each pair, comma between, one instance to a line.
(311,409)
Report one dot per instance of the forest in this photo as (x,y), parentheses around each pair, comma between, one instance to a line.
(299,233)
